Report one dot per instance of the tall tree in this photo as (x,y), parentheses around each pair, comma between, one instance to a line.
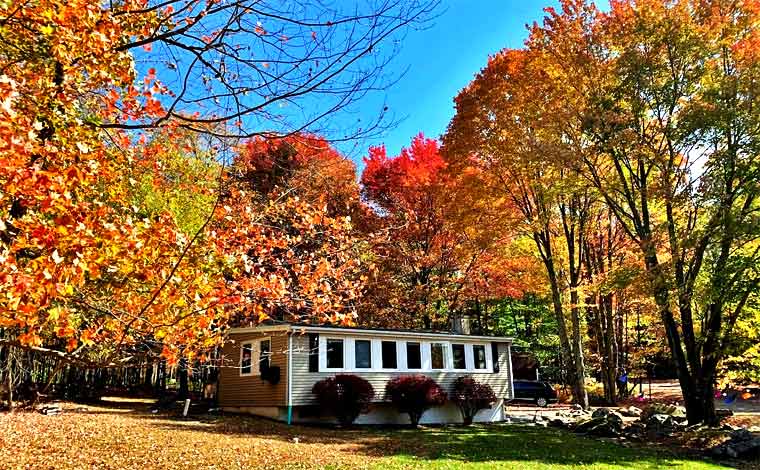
(666,94)
(500,131)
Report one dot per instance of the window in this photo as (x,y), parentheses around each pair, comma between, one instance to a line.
(479,355)
(437,356)
(363,354)
(389,355)
(245,358)
(313,353)
(413,356)
(334,353)
(457,352)
(265,354)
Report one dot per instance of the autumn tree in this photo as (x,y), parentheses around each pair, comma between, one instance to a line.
(303,165)
(98,263)
(80,265)
(611,274)
(500,133)
(420,251)
(664,93)
(296,261)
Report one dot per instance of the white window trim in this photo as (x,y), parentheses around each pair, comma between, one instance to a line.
(489,359)
(255,355)
(405,355)
(446,356)
(240,362)
(349,356)
(380,367)
(323,354)
(465,348)
(352,364)
(261,340)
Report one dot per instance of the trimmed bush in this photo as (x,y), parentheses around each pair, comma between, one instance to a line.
(346,396)
(471,396)
(414,394)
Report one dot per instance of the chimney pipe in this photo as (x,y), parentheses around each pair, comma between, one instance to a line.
(461,324)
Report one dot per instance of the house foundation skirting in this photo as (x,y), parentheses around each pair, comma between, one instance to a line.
(380,413)
(273,412)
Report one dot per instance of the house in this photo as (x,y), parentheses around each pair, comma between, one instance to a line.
(271,369)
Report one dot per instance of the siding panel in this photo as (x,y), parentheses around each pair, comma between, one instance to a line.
(303,380)
(250,391)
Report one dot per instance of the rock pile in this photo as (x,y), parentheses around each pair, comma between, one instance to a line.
(631,412)
(602,423)
(742,444)
(656,422)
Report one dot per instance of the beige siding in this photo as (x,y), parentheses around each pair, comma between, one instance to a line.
(250,391)
(303,380)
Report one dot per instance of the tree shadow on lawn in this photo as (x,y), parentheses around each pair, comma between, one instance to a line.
(495,445)
(512,444)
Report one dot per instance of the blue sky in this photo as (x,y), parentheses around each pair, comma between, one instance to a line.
(444,58)
(436,63)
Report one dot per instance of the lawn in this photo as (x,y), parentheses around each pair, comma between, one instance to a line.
(130,437)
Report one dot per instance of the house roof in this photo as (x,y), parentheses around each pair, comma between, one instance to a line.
(367,331)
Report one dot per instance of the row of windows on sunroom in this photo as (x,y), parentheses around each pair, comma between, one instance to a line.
(335,355)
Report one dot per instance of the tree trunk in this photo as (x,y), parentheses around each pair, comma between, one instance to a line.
(692,399)
(9,382)
(579,388)
(184,392)
(564,340)
(610,356)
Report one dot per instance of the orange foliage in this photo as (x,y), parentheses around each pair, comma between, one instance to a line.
(82,267)
(305,164)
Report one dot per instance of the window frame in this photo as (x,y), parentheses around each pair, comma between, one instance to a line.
(268,354)
(382,367)
(371,355)
(255,344)
(485,358)
(323,353)
(243,344)
(444,356)
(419,351)
(464,357)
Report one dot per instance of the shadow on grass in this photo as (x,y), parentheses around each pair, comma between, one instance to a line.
(497,445)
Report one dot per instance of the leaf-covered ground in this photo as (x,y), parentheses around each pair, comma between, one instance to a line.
(123,437)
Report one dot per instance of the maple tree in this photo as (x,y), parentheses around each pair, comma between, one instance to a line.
(123,235)
(293,260)
(304,165)
(424,251)
(72,243)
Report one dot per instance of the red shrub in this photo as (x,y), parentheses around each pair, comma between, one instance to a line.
(471,396)
(346,396)
(414,394)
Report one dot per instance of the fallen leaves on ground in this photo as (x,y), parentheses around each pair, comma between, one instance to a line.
(105,438)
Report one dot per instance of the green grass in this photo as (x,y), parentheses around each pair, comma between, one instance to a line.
(521,447)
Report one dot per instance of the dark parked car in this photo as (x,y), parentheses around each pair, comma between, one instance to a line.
(539,392)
